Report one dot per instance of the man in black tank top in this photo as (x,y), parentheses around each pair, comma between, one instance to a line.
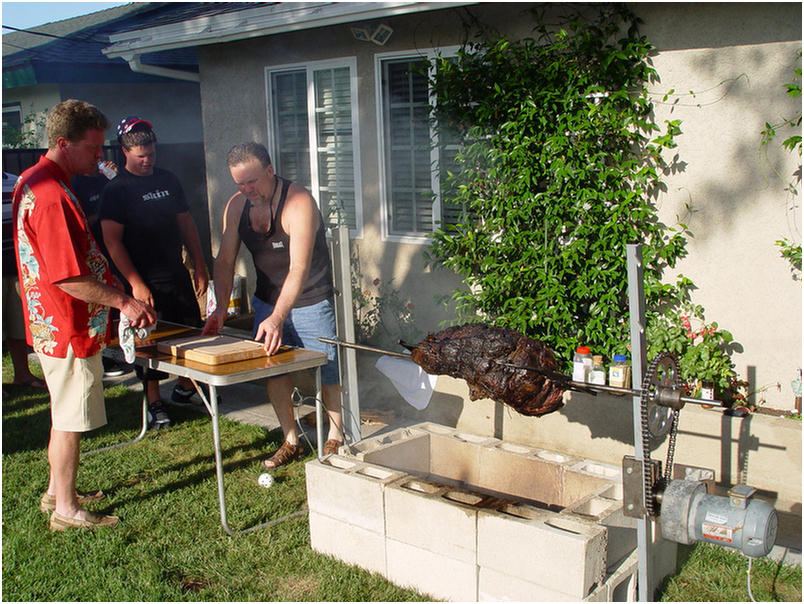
(279,223)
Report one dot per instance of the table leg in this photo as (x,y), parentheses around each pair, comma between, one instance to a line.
(319,415)
(137,439)
(212,405)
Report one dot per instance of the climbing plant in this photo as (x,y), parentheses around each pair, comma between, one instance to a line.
(789,250)
(558,160)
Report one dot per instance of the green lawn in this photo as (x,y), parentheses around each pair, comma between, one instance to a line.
(170,545)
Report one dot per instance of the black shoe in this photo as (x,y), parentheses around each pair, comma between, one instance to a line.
(157,416)
(182,398)
(112,368)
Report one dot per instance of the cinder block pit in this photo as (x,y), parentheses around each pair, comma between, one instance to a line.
(467,517)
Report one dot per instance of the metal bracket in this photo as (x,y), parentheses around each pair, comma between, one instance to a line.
(633,485)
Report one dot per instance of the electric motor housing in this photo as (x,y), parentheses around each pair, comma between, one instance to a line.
(689,514)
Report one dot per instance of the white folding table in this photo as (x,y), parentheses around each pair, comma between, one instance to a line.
(288,360)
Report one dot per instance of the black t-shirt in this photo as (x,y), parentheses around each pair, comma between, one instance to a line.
(147,207)
(88,190)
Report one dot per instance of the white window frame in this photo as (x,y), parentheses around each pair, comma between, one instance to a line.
(310,68)
(429,54)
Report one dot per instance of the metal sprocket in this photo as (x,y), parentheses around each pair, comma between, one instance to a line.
(658,420)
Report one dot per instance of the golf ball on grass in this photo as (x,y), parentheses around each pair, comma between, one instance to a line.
(265,480)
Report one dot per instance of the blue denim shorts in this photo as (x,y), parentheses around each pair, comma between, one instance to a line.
(302,329)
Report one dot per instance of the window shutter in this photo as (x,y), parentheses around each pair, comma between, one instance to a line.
(407,141)
(335,145)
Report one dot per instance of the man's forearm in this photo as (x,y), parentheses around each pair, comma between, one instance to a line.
(89,289)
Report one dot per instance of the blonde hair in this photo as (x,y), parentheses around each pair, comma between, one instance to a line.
(71,119)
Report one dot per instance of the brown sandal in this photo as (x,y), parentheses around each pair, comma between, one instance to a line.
(331,446)
(284,454)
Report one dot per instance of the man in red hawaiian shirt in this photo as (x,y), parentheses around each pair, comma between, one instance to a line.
(67,289)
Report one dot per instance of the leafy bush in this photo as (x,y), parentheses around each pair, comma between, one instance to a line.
(558,160)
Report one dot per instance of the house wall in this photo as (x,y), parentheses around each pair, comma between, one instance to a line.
(174,108)
(34,101)
(735,57)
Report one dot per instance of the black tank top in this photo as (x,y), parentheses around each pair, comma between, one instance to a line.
(271,253)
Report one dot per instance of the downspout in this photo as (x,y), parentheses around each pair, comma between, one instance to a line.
(176,74)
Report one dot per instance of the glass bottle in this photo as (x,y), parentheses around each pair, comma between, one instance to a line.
(597,375)
(581,363)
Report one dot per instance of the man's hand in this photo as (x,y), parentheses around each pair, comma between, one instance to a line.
(272,331)
(141,292)
(201,281)
(214,322)
(139,313)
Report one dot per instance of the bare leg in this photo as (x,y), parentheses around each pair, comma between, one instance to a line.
(152,391)
(280,390)
(332,401)
(63,455)
(18,351)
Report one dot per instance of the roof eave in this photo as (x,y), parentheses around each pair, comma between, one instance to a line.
(264,21)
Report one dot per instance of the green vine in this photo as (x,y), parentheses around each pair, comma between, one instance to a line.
(788,249)
(558,160)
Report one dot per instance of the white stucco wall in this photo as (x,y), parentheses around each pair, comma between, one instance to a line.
(735,57)
(736,61)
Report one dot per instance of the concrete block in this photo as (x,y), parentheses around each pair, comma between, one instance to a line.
(435,574)
(349,491)
(558,552)
(455,458)
(347,542)
(417,514)
(620,584)
(403,450)
(494,586)
(518,472)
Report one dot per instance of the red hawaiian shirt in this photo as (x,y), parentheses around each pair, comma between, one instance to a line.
(53,242)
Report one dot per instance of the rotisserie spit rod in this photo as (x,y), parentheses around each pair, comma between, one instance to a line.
(565,381)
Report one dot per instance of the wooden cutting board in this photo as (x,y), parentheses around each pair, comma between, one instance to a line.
(212,350)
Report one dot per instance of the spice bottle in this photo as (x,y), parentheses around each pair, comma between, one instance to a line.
(597,375)
(581,363)
(620,372)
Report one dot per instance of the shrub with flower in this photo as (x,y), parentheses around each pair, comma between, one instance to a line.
(703,349)
(382,316)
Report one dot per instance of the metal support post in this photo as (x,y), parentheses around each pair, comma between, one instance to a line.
(344,317)
(636,311)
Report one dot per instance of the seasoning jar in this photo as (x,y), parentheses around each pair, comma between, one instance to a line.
(620,372)
(597,375)
(581,363)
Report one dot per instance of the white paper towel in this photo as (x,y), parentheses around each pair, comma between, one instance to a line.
(410,380)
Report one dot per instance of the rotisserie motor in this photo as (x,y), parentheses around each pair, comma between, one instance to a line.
(481,355)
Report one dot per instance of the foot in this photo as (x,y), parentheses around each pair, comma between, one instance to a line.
(181,397)
(112,368)
(90,521)
(284,455)
(157,416)
(331,446)
(31,382)
(48,502)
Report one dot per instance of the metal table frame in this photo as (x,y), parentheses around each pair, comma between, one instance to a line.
(225,374)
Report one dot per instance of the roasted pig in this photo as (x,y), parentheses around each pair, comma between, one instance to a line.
(497,363)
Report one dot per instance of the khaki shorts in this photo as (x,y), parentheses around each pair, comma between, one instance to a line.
(76,392)
(13,321)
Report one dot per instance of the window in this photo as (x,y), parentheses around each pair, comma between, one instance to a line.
(313,111)
(12,124)
(411,185)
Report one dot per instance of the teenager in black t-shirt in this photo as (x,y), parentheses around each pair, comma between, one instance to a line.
(145,221)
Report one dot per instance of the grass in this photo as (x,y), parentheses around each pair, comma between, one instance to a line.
(171,546)
(709,573)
